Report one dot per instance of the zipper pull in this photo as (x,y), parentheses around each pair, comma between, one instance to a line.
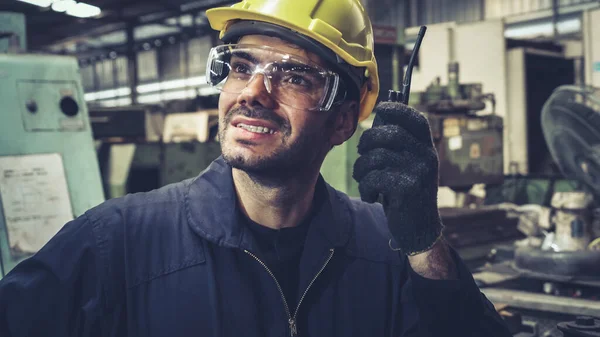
(293,329)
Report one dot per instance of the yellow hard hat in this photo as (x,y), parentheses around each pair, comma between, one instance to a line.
(338,30)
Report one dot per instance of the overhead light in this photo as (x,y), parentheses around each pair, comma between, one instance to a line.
(83,10)
(546,28)
(111,93)
(115,102)
(569,26)
(71,7)
(156,91)
(150,87)
(207,91)
(41,3)
(172,84)
(62,5)
(166,96)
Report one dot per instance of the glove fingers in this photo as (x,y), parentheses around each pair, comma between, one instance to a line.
(410,119)
(391,137)
(376,159)
(407,161)
(385,182)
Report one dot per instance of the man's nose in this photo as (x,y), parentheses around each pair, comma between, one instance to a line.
(256,93)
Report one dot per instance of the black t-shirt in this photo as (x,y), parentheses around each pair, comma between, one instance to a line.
(281,249)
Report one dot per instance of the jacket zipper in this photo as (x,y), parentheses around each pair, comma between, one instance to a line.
(292,318)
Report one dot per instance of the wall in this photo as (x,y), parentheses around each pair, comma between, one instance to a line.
(480,49)
(591,38)
(385,12)
(435,11)
(515,122)
(434,55)
(573,48)
(505,8)
(410,13)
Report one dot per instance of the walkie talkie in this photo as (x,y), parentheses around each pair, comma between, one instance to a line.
(403,96)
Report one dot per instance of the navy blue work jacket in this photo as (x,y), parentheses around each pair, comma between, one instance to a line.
(177,262)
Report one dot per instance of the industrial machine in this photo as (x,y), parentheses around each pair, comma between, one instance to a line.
(126,124)
(12,32)
(48,166)
(551,280)
(143,148)
(468,136)
(469,143)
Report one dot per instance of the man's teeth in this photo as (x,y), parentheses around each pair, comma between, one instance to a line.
(256,129)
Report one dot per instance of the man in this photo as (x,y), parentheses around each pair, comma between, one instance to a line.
(259,244)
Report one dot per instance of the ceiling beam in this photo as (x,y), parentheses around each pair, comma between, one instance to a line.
(157,12)
(93,51)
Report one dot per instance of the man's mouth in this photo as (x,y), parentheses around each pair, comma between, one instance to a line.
(255,129)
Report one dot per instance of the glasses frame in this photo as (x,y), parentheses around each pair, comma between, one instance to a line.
(332,84)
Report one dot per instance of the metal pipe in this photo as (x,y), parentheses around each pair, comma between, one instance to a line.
(555,6)
(132,64)
(548,303)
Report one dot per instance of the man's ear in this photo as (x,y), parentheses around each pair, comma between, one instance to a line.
(345,122)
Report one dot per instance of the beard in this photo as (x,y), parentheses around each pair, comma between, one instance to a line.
(289,159)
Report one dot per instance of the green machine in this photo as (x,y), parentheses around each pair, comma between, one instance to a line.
(469,144)
(12,32)
(143,147)
(339,164)
(48,166)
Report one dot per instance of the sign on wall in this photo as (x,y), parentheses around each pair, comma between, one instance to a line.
(385,34)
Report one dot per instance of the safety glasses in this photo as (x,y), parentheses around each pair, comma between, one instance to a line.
(291,80)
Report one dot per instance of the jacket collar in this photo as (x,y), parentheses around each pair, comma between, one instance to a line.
(211,202)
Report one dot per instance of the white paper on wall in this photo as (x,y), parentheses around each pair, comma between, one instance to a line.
(35,200)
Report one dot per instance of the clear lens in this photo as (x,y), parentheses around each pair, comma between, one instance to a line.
(289,79)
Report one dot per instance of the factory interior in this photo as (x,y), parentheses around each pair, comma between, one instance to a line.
(105,98)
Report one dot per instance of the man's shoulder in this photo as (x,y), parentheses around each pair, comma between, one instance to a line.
(127,221)
(370,233)
(366,216)
(371,211)
(149,230)
(142,206)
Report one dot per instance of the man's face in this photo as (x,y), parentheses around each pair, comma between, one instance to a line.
(294,139)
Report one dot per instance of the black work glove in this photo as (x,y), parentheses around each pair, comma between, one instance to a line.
(398,160)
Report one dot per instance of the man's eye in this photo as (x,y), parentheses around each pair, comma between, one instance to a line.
(299,80)
(241,68)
